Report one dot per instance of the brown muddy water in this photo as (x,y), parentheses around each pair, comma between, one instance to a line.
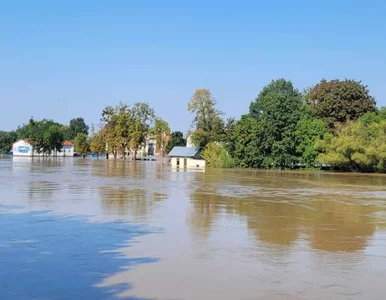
(97,229)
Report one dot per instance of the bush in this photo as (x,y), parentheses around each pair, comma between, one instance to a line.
(216,156)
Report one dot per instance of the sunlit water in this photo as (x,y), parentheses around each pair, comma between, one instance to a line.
(97,229)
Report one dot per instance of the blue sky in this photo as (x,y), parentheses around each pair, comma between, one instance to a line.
(64,59)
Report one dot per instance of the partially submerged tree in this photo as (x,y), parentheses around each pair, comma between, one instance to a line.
(162,132)
(98,143)
(82,145)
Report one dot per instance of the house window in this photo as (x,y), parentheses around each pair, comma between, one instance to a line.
(178,162)
(185,162)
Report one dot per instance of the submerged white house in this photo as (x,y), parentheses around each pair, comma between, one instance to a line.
(186,157)
(24,148)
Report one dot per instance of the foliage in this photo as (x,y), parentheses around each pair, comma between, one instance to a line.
(176,139)
(356,147)
(98,143)
(82,145)
(246,141)
(208,124)
(309,130)
(75,127)
(278,111)
(7,138)
(45,135)
(117,125)
(143,116)
(161,131)
(337,101)
(127,127)
(216,156)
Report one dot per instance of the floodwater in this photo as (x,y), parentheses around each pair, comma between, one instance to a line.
(97,229)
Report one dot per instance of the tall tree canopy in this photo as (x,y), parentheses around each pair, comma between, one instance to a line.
(338,101)
(277,110)
(75,127)
(208,124)
(162,132)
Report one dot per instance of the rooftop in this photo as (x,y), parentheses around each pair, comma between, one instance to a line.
(184,151)
(67,143)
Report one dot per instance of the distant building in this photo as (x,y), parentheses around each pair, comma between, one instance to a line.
(189,142)
(24,148)
(186,157)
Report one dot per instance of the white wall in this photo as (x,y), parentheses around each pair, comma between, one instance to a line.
(67,151)
(22,148)
(190,162)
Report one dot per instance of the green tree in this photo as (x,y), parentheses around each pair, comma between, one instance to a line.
(45,136)
(98,143)
(75,127)
(338,101)
(118,122)
(246,140)
(143,119)
(216,156)
(161,131)
(176,139)
(7,138)
(356,146)
(82,145)
(308,131)
(208,124)
(278,111)
(53,139)
(113,142)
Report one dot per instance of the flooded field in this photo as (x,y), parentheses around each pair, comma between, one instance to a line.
(97,229)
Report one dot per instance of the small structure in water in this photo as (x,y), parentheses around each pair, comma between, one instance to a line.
(186,157)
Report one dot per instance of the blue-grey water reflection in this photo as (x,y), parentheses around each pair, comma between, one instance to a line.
(50,257)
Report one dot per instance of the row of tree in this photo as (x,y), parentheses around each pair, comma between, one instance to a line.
(334,124)
(124,130)
(44,135)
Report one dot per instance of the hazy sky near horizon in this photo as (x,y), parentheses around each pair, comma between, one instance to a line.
(65,59)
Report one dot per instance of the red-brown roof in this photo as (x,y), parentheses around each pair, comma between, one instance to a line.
(67,143)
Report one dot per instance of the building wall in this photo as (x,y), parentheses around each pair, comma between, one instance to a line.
(22,148)
(190,162)
(67,151)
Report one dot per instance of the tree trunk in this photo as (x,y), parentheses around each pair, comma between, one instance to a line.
(123,152)
(135,154)
(115,154)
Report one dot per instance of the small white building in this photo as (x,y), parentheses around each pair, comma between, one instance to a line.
(24,148)
(186,157)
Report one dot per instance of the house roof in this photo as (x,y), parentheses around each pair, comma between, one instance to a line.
(184,151)
(67,143)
